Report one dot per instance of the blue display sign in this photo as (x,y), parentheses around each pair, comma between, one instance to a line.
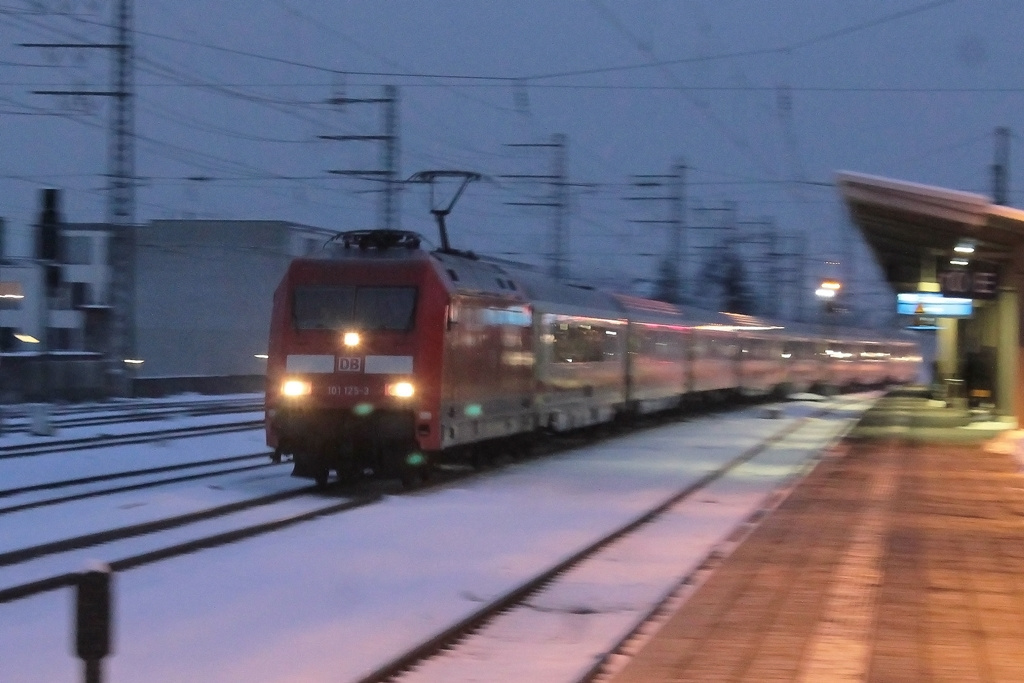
(933,305)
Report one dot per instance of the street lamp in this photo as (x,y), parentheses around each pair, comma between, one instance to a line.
(133,365)
(11,290)
(964,247)
(827,292)
(828,289)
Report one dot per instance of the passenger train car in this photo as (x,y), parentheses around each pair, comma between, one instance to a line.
(388,357)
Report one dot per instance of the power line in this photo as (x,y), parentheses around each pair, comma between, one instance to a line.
(757,52)
(511,78)
(738,141)
(169,150)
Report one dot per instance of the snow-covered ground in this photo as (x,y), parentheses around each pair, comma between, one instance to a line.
(334,598)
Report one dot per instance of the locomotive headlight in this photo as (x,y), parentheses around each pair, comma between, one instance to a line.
(295,387)
(400,390)
(351,339)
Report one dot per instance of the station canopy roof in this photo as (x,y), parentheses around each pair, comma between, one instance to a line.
(903,222)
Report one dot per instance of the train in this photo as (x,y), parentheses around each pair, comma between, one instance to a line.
(386,357)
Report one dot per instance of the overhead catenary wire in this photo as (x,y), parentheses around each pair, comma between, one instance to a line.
(755,52)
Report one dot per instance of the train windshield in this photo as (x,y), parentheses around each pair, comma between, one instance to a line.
(362,308)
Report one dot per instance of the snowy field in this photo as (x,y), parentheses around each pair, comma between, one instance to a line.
(334,598)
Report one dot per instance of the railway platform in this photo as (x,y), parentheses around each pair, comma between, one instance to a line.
(900,557)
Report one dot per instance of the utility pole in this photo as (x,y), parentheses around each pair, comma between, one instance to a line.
(800,280)
(672,276)
(558,201)
(774,274)
(710,230)
(679,255)
(1001,167)
(121,187)
(761,234)
(786,274)
(388,211)
(560,195)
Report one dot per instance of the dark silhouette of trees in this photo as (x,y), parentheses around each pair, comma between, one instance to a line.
(667,288)
(724,283)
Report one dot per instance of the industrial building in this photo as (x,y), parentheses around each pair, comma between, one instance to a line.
(203,291)
(200,313)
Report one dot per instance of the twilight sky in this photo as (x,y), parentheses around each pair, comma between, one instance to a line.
(762,100)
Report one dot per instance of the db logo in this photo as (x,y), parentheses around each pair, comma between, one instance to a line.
(350,364)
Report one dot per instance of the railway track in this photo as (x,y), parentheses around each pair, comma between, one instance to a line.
(18,420)
(458,641)
(360,496)
(133,405)
(235,524)
(233,465)
(57,445)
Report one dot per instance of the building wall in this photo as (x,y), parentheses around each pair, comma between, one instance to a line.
(204,291)
(26,316)
(85,260)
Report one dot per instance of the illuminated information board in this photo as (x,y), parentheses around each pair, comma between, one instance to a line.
(934,305)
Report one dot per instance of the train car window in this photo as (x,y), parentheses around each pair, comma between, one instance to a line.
(639,341)
(385,308)
(610,338)
(578,343)
(323,308)
(365,308)
(671,345)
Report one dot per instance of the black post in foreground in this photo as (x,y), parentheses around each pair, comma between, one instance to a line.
(92,620)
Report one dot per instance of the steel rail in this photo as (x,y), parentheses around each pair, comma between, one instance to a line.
(98,420)
(123,474)
(125,405)
(12,557)
(131,487)
(105,440)
(69,579)
(81,418)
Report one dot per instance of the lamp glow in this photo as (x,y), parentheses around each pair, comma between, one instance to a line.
(295,387)
(27,338)
(400,390)
(351,339)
